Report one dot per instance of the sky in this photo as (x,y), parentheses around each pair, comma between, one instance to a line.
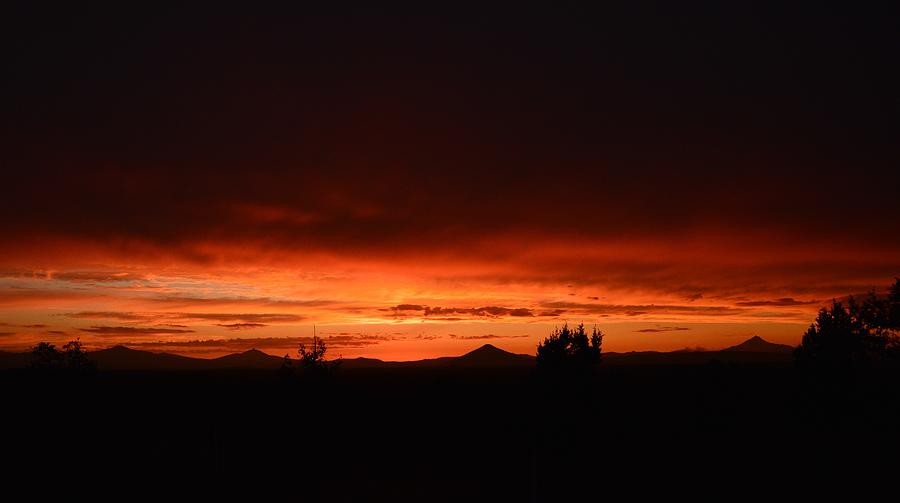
(417,182)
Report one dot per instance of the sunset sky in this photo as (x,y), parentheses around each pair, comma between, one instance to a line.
(417,184)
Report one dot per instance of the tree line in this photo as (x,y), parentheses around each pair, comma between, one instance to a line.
(854,334)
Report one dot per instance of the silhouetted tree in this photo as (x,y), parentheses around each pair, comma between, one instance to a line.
(313,360)
(882,314)
(45,356)
(568,348)
(892,322)
(855,335)
(75,357)
(287,370)
(72,357)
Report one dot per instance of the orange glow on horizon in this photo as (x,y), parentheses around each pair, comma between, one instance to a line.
(706,293)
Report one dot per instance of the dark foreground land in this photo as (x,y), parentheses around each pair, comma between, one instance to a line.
(715,430)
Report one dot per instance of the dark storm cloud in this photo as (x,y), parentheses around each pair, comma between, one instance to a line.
(132,331)
(242,326)
(661,329)
(637,310)
(37,325)
(244,318)
(190,301)
(485,337)
(109,315)
(560,308)
(519,312)
(488,311)
(74,276)
(422,337)
(289,344)
(409,307)
(782,302)
(460,126)
(92,276)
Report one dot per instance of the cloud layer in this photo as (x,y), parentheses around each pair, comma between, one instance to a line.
(611,166)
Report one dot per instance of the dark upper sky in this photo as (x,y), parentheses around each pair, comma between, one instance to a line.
(654,151)
(648,118)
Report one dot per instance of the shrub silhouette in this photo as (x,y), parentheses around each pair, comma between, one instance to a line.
(570,349)
(73,357)
(45,356)
(856,335)
(312,361)
(287,372)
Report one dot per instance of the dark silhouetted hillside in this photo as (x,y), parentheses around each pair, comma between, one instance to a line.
(251,359)
(487,355)
(10,360)
(752,351)
(123,358)
(364,363)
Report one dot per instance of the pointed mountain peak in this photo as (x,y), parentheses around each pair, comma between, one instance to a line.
(757,344)
(487,348)
(249,355)
(489,354)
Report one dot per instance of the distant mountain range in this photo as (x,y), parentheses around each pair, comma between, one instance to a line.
(487,355)
(753,350)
